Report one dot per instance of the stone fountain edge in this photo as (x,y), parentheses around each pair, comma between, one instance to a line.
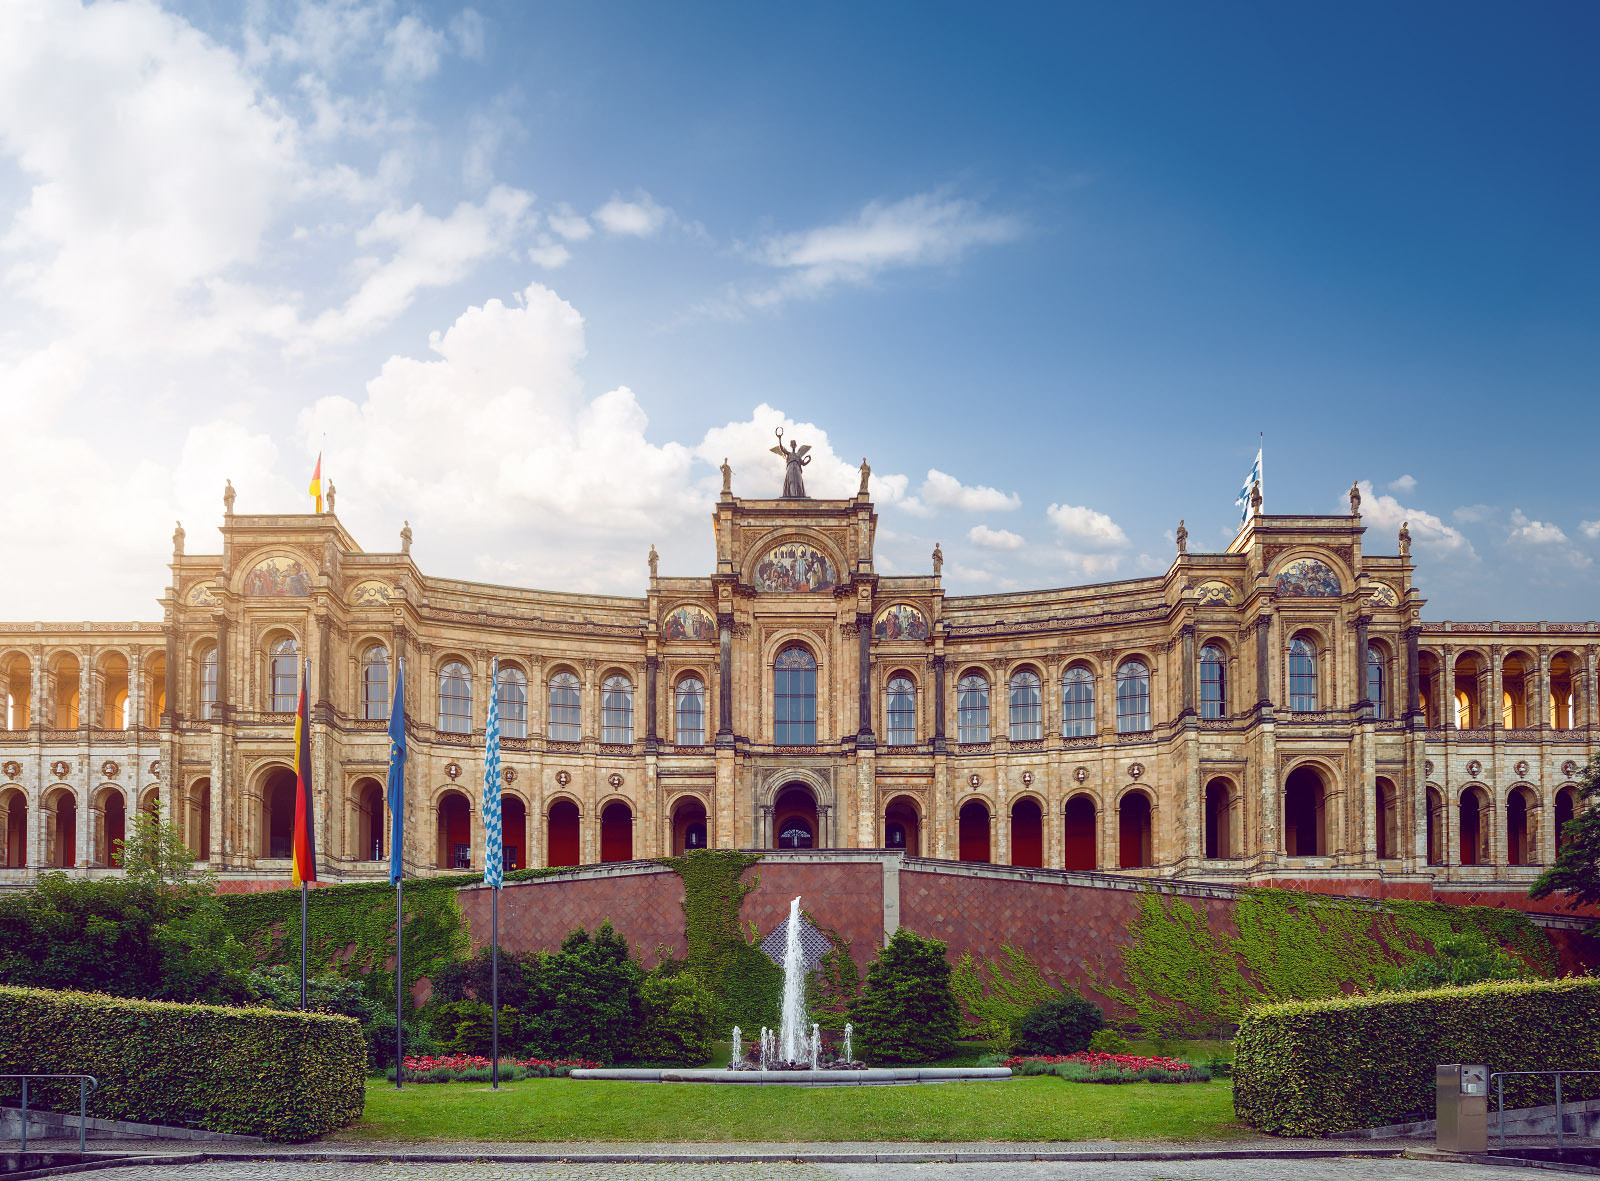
(871,1077)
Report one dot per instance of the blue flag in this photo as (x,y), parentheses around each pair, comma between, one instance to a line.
(1250,481)
(397,775)
(494,857)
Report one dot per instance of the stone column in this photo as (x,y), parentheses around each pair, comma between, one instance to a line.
(1541,703)
(224,706)
(1188,670)
(1447,673)
(85,687)
(1496,690)
(864,736)
(1363,694)
(724,683)
(1413,674)
(938,705)
(36,693)
(652,672)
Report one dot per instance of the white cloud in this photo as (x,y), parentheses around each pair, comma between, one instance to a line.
(413,51)
(574,227)
(1590,529)
(945,491)
(1384,514)
(428,252)
(549,253)
(467,28)
(1534,532)
(639,218)
(1403,485)
(924,230)
(987,538)
(758,473)
(1472,514)
(1086,528)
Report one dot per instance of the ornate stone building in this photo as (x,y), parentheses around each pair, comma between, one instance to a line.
(1278,712)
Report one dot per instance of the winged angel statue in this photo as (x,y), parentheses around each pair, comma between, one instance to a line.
(794,460)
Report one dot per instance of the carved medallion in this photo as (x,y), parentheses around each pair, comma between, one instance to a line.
(452,769)
(59,768)
(974,779)
(12,768)
(1135,769)
(1215,592)
(1522,768)
(1027,778)
(1474,767)
(371,593)
(1427,767)
(615,780)
(109,769)
(508,774)
(1569,768)
(563,778)
(1081,774)
(155,767)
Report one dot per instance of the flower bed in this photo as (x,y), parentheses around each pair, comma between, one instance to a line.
(474,1068)
(1088,1066)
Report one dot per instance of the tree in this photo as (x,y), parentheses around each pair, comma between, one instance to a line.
(907,1012)
(1467,958)
(1060,1026)
(1576,871)
(153,853)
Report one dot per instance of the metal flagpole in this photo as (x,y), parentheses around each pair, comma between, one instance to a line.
(397,765)
(399,984)
(305,889)
(494,987)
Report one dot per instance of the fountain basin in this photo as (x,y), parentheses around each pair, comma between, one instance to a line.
(888,1076)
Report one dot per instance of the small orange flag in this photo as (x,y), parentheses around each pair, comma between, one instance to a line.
(316,483)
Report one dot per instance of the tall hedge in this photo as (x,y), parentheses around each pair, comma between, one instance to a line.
(260,1072)
(1308,1068)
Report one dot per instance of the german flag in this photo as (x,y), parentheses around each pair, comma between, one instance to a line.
(303,860)
(315,490)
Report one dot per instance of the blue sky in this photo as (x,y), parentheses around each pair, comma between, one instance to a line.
(527,272)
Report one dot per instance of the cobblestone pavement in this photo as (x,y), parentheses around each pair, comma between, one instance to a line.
(1346,1169)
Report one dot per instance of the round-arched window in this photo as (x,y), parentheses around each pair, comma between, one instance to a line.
(375,683)
(566,708)
(1077,703)
(972,708)
(1133,697)
(511,697)
(455,698)
(616,710)
(1213,682)
(1027,707)
(794,697)
(284,676)
(1302,675)
(689,727)
(900,710)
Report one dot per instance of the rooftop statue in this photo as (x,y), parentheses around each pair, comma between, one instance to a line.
(794,460)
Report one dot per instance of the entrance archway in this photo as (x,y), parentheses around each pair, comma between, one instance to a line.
(1519,833)
(369,820)
(14,812)
(972,831)
(1304,813)
(1081,849)
(1475,827)
(1134,837)
(64,830)
(1566,809)
(688,825)
(277,813)
(561,829)
(514,832)
(113,826)
(794,818)
(901,826)
(1027,833)
(1219,820)
(454,832)
(616,832)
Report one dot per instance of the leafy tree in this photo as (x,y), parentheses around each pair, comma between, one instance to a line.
(278,987)
(1060,1026)
(1576,870)
(1466,958)
(677,1019)
(906,1012)
(154,854)
(585,1000)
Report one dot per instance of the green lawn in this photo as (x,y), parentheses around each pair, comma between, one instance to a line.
(1044,1108)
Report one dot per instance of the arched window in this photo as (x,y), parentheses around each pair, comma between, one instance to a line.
(375,683)
(1302,675)
(455,698)
(208,682)
(1027,707)
(1133,697)
(1376,681)
(794,698)
(690,705)
(284,676)
(972,708)
(1213,682)
(616,710)
(566,708)
(511,694)
(1077,703)
(900,711)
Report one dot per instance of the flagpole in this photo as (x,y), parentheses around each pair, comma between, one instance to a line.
(397,765)
(494,976)
(305,889)
(399,983)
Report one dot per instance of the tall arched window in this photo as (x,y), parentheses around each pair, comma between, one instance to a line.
(566,708)
(690,706)
(1376,682)
(455,698)
(511,694)
(375,683)
(1133,697)
(900,711)
(284,676)
(1302,675)
(1077,703)
(1027,707)
(794,698)
(616,710)
(1213,682)
(208,682)
(972,708)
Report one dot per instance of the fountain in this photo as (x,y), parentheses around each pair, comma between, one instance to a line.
(794,1053)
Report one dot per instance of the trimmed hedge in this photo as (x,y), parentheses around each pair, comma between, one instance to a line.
(260,1072)
(1308,1068)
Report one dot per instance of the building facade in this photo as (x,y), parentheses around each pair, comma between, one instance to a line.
(1276,712)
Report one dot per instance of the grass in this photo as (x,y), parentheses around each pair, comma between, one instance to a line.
(1017,1109)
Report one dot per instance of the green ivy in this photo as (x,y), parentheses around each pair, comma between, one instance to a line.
(748,985)
(1184,977)
(998,992)
(835,985)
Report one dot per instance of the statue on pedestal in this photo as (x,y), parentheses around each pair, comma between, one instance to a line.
(227,499)
(938,559)
(405,537)
(1183,537)
(794,460)
(177,541)
(727,477)
(654,558)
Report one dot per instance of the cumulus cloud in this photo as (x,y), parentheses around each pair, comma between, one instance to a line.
(639,218)
(757,472)
(1384,514)
(1534,532)
(574,227)
(987,538)
(940,490)
(467,29)
(1086,528)
(1403,485)
(1472,514)
(549,253)
(1590,529)
(413,48)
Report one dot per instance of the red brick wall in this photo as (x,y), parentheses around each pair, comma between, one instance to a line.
(645,906)
(846,896)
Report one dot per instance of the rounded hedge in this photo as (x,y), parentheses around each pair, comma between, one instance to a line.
(1062,1026)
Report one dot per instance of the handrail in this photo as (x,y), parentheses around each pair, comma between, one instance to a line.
(1500,1089)
(87,1084)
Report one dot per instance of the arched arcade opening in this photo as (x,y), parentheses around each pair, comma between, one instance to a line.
(902,827)
(972,831)
(1305,813)
(1081,849)
(794,818)
(561,834)
(1027,833)
(616,832)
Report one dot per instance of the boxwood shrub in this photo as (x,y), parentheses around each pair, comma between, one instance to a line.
(260,1072)
(1308,1068)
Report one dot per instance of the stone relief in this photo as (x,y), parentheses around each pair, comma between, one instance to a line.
(1384,595)
(201,594)
(371,593)
(1215,591)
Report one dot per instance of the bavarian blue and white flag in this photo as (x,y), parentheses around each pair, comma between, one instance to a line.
(494,857)
(1244,493)
(397,774)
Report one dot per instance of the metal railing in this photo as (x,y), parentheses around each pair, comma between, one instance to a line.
(1499,1078)
(87,1085)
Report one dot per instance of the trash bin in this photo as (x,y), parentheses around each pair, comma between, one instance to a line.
(1463,1108)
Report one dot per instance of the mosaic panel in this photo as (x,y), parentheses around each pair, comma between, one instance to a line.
(689,623)
(1307,578)
(794,567)
(277,578)
(900,622)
